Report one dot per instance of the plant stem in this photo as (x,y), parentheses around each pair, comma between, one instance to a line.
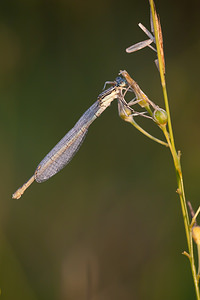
(132,121)
(176,157)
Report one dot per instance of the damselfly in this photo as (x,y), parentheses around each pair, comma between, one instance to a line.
(64,151)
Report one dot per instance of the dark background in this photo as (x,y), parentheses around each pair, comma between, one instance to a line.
(109,226)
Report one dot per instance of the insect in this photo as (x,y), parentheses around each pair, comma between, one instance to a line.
(64,151)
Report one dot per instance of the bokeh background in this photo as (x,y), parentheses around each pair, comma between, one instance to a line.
(108,226)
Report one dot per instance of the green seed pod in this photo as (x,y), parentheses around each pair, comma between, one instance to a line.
(160,116)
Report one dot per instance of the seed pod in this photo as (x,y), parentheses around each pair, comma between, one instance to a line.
(124,112)
(160,116)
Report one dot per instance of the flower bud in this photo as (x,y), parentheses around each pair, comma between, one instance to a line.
(124,112)
(196,234)
(160,116)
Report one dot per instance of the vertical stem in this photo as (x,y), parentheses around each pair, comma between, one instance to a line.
(180,189)
(176,157)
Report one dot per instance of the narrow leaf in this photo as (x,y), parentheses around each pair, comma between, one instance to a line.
(138,46)
(148,33)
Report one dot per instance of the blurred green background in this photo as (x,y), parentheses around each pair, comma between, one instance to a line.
(109,226)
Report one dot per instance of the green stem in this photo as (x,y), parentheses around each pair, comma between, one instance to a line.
(148,109)
(182,197)
(180,189)
(132,121)
(176,158)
